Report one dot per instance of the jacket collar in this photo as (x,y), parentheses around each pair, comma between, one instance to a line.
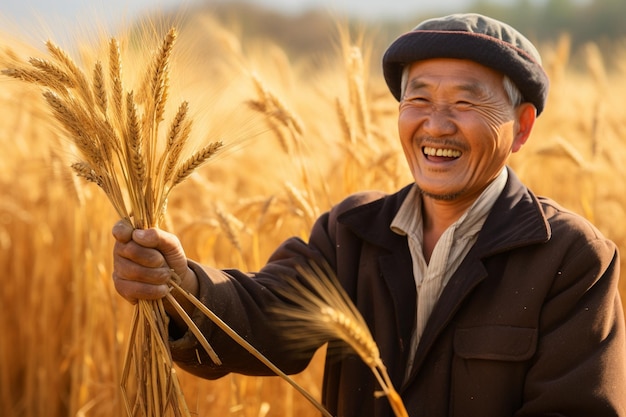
(516,219)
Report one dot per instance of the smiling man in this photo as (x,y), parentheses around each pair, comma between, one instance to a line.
(485,300)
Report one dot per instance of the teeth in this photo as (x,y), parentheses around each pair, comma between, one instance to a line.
(449,153)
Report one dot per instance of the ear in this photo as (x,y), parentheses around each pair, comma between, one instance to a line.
(526,114)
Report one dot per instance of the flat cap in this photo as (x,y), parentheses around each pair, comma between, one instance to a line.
(475,37)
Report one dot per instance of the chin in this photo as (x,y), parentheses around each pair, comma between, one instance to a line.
(449,196)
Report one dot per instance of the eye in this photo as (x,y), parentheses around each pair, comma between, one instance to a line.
(417,99)
(464,104)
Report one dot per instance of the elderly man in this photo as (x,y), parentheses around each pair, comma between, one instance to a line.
(484,299)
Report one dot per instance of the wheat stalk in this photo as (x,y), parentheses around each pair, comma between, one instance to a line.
(279,119)
(301,202)
(320,311)
(252,350)
(356,86)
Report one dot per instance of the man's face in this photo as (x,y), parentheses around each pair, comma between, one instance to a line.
(457,127)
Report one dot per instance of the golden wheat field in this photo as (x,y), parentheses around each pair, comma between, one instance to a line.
(299,135)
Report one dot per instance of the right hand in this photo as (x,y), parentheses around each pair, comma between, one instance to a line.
(143,261)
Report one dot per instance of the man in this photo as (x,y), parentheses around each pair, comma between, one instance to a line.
(484,299)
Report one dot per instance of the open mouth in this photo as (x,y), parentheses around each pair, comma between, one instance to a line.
(444,153)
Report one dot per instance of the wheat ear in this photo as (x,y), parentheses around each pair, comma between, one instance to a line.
(319,310)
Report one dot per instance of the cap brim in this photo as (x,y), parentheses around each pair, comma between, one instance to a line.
(521,68)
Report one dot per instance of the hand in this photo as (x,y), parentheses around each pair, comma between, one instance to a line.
(143,261)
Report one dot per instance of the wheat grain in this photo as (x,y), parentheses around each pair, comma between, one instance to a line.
(115,75)
(154,88)
(197,159)
(301,202)
(356,85)
(231,226)
(76,76)
(177,128)
(345,328)
(85,171)
(77,123)
(134,140)
(161,75)
(99,89)
(273,107)
(33,76)
(179,132)
(52,71)
(344,123)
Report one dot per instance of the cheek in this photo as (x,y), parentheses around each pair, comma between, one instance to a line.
(408,121)
(405,127)
(492,129)
(406,134)
(403,118)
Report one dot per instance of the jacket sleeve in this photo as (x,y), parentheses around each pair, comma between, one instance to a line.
(580,365)
(242,301)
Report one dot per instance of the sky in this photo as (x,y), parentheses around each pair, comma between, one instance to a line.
(23,9)
(60,16)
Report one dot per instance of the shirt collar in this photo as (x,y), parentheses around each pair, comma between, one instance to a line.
(408,219)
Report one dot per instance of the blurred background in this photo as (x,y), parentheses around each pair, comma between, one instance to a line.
(600,21)
(294,90)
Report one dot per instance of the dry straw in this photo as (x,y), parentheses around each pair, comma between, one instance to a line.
(321,311)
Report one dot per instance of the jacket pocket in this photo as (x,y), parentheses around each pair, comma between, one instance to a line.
(499,343)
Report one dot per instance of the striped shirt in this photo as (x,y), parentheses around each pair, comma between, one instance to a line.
(450,250)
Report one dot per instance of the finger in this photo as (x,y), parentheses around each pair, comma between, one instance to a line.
(122,231)
(157,239)
(134,290)
(147,237)
(164,242)
(140,255)
(130,270)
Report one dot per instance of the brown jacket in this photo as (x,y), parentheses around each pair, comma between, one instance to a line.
(531,323)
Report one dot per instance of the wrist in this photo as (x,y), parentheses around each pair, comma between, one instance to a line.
(189,282)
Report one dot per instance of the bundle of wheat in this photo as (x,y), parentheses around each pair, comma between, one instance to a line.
(119,146)
(121,150)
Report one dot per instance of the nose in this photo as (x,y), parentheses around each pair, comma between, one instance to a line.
(439,122)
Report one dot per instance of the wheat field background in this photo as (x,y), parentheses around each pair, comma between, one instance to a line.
(300,135)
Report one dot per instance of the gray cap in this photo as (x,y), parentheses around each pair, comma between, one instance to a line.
(474,37)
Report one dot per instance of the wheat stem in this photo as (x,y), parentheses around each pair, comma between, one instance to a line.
(251,349)
(194,329)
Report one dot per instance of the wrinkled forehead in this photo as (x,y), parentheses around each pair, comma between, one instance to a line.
(461,75)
